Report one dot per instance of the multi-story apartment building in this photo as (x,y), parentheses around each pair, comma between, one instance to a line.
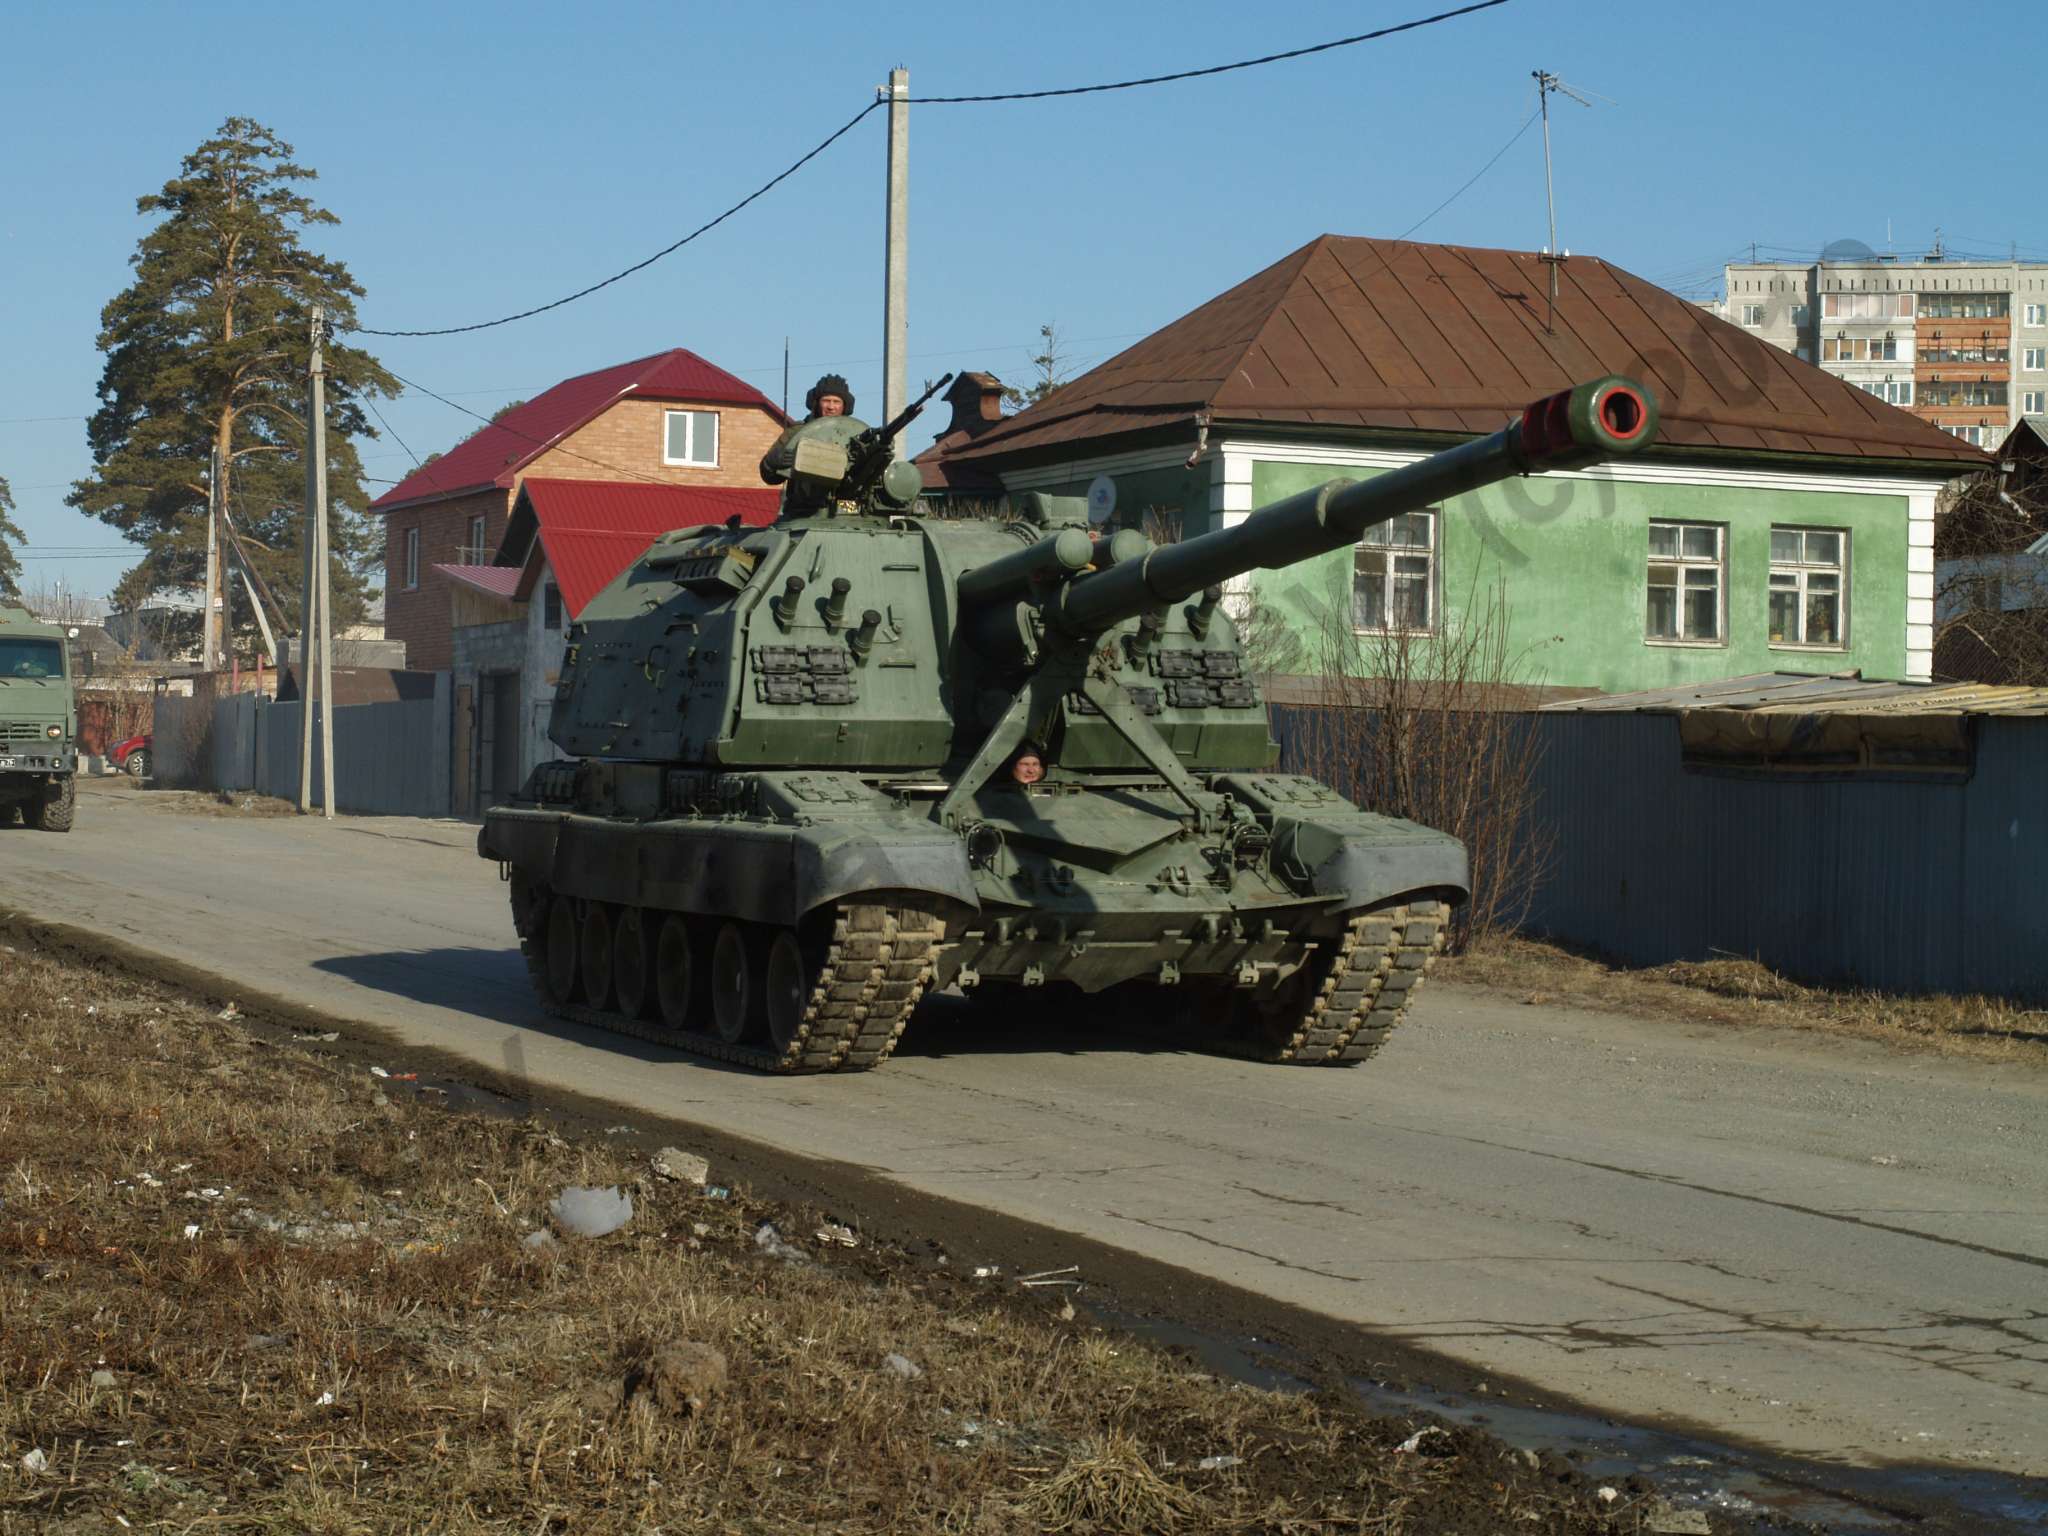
(1960,343)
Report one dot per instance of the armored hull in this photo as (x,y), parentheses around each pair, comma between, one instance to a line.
(1296,934)
(818,769)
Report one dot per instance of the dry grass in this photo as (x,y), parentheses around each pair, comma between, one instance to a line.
(248,1288)
(1732,990)
(211,802)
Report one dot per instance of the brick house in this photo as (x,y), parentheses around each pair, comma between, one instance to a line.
(568,540)
(671,419)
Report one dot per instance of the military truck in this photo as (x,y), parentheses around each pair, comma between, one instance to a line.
(820,768)
(38,723)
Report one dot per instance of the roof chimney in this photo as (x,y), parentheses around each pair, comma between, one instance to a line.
(977,401)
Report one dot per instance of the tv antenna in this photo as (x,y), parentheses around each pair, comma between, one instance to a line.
(1546,83)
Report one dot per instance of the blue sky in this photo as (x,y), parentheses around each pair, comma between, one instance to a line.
(483,161)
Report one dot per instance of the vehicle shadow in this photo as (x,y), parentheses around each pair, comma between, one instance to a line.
(492,984)
(1056,1020)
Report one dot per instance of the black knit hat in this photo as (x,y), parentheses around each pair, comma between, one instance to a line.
(830,384)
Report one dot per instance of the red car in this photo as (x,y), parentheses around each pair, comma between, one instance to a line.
(132,755)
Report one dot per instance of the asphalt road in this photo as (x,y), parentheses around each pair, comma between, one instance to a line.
(1816,1244)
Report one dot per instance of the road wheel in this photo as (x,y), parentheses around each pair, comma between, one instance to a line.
(56,812)
(629,963)
(790,979)
(735,984)
(561,968)
(675,972)
(595,958)
(137,766)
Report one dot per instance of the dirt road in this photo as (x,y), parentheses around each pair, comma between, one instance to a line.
(1812,1243)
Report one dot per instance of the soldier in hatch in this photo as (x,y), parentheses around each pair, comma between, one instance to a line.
(828,397)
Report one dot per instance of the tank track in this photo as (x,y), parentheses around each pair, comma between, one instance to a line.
(874,973)
(1366,985)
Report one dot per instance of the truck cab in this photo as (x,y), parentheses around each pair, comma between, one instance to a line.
(38,723)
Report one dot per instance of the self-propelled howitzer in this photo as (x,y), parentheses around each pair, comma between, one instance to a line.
(817,769)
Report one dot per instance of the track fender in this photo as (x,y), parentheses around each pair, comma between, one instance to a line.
(770,873)
(1326,846)
(1366,866)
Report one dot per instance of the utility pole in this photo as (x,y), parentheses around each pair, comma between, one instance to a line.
(209,629)
(314,610)
(785,375)
(896,283)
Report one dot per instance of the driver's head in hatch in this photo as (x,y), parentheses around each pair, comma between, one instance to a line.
(1028,766)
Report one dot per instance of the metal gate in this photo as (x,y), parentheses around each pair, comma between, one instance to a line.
(498,736)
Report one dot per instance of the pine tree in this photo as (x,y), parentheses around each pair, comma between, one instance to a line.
(10,567)
(208,348)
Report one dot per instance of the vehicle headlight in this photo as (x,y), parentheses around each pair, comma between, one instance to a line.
(55,733)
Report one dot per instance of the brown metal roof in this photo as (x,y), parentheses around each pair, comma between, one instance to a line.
(1391,335)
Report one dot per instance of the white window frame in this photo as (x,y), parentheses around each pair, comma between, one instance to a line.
(1431,552)
(474,555)
(1683,562)
(1802,571)
(1752,315)
(412,559)
(2033,401)
(2036,314)
(692,460)
(2034,359)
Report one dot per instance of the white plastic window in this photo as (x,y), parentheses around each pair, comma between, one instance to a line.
(691,437)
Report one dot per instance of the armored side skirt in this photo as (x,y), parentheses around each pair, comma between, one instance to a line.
(757,872)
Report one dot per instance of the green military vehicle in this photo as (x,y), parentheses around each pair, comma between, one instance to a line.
(821,767)
(38,723)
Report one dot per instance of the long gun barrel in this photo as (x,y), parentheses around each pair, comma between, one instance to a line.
(1604,419)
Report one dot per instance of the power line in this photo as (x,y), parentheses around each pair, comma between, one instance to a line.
(1214,69)
(1467,187)
(668,250)
(849,125)
(372,404)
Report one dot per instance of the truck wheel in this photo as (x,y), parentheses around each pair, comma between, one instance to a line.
(57,811)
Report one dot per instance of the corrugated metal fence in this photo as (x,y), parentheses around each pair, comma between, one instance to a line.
(390,758)
(1906,886)
(1901,885)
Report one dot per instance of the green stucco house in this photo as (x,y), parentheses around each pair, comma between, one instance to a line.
(1785,522)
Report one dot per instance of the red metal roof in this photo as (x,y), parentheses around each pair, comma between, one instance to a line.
(497,580)
(494,455)
(1389,334)
(590,530)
